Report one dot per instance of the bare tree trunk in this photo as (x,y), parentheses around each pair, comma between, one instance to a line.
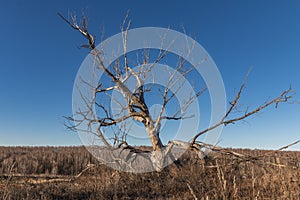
(154,138)
(158,154)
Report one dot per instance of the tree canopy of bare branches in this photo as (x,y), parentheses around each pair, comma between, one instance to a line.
(134,104)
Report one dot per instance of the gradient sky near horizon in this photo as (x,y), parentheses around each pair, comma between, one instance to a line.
(39,59)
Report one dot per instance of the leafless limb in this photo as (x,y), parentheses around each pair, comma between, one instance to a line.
(285,96)
(287,146)
(239,157)
(83,29)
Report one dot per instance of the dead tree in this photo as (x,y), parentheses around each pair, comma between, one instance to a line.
(136,107)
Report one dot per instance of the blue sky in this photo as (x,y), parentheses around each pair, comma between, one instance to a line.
(39,59)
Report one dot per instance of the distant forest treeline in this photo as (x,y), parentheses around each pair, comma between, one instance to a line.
(72,160)
(45,160)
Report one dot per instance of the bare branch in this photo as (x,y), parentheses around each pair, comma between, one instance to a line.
(283,97)
(235,101)
(83,30)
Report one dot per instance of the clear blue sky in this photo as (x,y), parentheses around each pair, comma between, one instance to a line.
(39,58)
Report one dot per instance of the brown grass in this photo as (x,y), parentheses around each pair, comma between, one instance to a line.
(37,172)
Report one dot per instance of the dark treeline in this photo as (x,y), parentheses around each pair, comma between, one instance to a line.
(72,160)
(44,160)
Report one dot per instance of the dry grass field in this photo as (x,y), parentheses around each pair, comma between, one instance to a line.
(50,173)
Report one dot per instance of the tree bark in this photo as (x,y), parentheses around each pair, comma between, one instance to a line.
(154,138)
